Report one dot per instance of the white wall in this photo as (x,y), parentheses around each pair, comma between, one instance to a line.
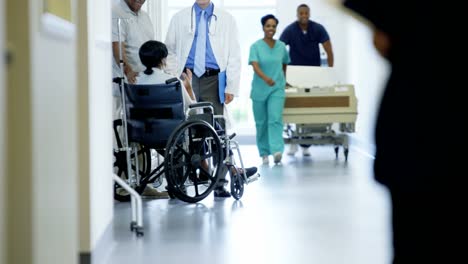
(54,126)
(95,121)
(368,72)
(100,109)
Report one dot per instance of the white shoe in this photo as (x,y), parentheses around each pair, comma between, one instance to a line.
(265,160)
(292,149)
(151,192)
(305,152)
(277,157)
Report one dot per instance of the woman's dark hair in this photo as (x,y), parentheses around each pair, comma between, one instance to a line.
(269,16)
(152,53)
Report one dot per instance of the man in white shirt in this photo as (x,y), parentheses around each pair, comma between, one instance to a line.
(135,29)
(204,39)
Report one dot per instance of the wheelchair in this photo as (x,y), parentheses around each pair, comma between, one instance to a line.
(194,149)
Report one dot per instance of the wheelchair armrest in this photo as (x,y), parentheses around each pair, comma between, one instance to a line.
(201,105)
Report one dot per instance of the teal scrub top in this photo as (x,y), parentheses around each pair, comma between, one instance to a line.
(271,62)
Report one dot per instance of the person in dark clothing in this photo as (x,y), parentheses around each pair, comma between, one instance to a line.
(408,165)
(303,38)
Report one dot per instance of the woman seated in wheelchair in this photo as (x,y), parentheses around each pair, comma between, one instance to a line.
(153,56)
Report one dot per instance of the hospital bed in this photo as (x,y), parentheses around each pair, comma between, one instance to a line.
(318,110)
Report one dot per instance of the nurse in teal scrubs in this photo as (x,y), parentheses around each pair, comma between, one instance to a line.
(269,59)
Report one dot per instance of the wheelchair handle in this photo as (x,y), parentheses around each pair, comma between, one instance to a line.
(117,80)
(172,80)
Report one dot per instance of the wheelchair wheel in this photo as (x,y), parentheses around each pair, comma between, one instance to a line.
(237,184)
(193,161)
(120,168)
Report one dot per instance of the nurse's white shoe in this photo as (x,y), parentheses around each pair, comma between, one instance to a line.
(305,152)
(292,149)
(277,157)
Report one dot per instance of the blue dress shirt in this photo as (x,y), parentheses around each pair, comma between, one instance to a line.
(210,58)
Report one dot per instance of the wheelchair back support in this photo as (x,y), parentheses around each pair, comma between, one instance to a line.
(153,112)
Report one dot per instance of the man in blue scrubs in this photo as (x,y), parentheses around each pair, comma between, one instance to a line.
(303,37)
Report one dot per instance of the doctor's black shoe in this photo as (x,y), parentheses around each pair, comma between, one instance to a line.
(248,171)
(221,192)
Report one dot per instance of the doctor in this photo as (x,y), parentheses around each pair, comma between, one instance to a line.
(209,46)
(203,39)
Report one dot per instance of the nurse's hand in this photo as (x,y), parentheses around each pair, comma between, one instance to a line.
(270,81)
(228,98)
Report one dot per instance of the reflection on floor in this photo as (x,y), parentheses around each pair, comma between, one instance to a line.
(307,210)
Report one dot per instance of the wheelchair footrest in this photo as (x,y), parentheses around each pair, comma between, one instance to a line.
(253,178)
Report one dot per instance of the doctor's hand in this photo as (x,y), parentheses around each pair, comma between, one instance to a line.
(228,98)
(269,81)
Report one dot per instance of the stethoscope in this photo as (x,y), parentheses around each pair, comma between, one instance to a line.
(211,32)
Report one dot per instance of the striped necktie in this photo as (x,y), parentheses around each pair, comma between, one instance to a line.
(200,51)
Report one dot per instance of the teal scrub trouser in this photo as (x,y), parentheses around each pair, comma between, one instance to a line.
(268,116)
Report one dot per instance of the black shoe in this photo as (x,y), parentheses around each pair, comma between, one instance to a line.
(221,192)
(248,171)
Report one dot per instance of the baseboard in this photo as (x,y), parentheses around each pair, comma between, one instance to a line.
(85,258)
(98,254)
(364,146)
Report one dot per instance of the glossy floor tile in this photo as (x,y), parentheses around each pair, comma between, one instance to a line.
(306,210)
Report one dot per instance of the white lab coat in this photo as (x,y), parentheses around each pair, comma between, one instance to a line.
(223,36)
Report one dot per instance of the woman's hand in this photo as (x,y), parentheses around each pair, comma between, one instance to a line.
(269,81)
(187,78)
(228,98)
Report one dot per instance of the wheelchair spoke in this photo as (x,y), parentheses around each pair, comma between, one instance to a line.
(184,152)
(205,172)
(200,149)
(207,156)
(184,178)
(153,175)
(197,192)
(160,167)
(181,164)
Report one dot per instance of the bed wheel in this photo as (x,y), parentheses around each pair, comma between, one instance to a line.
(139,231)
(346,151)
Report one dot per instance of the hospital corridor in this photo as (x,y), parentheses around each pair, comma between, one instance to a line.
(206,131)
(307,210)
